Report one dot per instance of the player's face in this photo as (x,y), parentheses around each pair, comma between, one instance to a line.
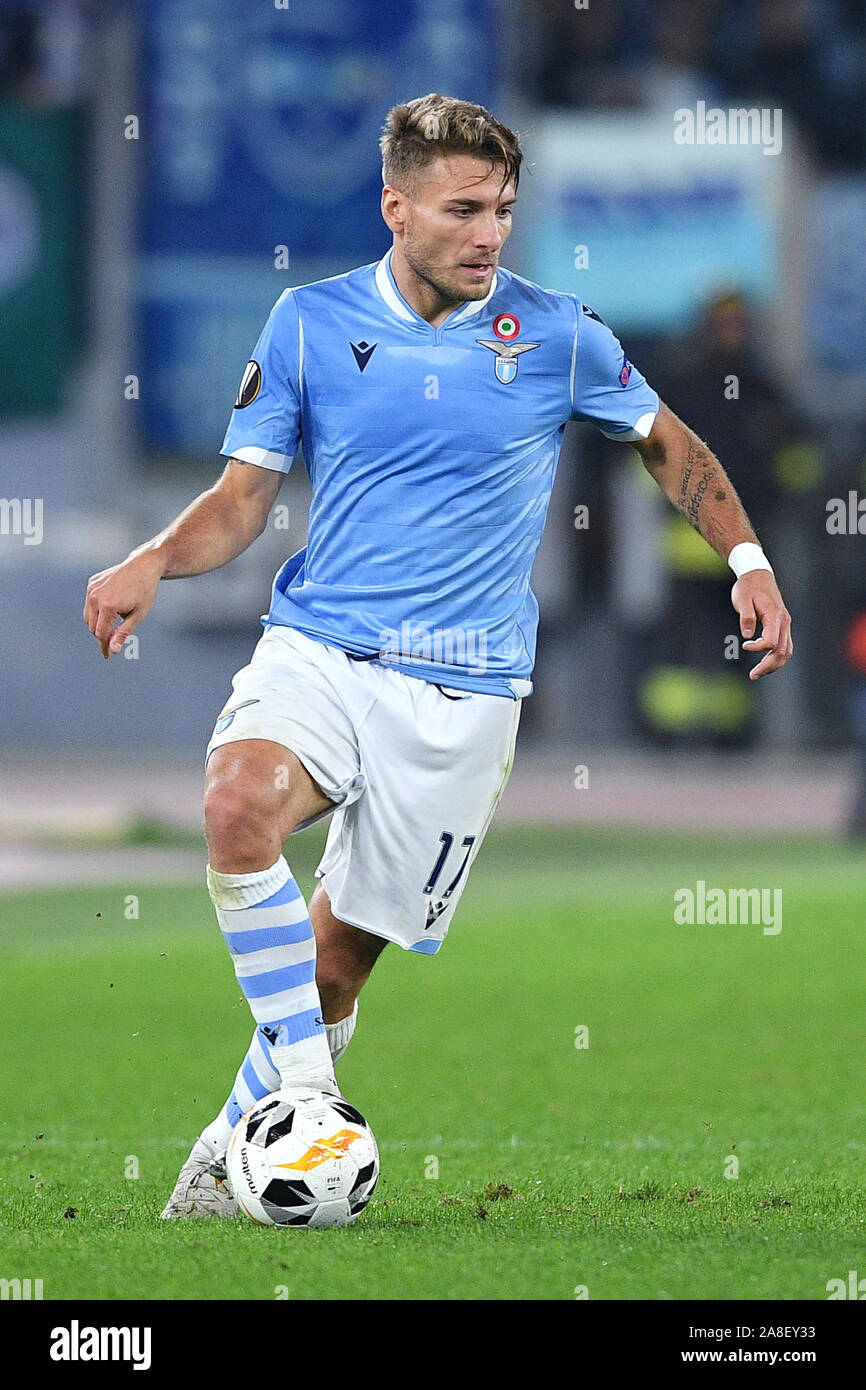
(456,224)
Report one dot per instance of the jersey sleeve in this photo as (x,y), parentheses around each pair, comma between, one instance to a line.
(606,388)
(265,426)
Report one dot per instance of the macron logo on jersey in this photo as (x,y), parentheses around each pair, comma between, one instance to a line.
(363,352)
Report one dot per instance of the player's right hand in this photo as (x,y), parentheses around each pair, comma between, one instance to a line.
(126,591)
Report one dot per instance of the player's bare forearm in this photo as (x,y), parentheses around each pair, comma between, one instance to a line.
(697,484)
(692,477)
(212,530)
(218,525)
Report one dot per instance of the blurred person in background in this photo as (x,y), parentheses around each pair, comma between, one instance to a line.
(845,625)
(695,687)
(18,32)
(806,56)
(582,56)
(43,51)
(855,658)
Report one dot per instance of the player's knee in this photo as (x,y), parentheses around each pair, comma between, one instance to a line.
(241,828)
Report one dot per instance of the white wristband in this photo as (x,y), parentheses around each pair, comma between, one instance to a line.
(748,556)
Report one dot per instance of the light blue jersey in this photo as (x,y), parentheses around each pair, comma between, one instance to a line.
(431,453)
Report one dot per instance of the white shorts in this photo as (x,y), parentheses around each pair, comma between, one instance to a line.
(415,771)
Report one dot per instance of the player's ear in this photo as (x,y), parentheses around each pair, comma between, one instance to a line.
(393,208)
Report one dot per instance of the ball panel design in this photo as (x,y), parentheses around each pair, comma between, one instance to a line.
(256,1116)
(364,1176)
(330,1214)
(278,1128)
(288,1194)
(349,1112)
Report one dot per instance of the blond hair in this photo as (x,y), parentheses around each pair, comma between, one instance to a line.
(415,132)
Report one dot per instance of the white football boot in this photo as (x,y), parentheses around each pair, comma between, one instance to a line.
(202,1187)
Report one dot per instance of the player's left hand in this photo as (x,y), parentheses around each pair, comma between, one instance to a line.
(756,598)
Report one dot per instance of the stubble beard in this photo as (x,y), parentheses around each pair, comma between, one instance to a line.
(452,293)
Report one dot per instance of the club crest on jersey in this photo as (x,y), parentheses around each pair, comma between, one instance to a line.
(505,363)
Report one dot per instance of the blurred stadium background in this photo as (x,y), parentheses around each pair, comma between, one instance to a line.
(167,168)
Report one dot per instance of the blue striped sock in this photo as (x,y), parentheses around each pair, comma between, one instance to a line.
(268,931)
(256,1078)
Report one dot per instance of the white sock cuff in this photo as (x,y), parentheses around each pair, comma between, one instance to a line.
(231,892)
(301,1066)
(340,1034)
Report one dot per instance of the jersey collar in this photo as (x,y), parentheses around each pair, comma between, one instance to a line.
(387,287)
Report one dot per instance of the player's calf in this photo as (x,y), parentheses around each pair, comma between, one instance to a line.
(250,809)
(345,956)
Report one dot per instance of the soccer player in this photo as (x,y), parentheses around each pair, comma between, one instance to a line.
(430,392)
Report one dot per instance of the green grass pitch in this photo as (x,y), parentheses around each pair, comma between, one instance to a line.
(560,1168)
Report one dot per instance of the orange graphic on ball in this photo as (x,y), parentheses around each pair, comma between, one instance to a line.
(322,1150)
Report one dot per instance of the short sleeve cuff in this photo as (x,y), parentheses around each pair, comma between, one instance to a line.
(639,430)
(263,458)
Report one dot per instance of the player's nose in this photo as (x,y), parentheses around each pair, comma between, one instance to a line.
(488,234)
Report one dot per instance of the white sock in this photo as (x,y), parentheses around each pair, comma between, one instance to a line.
(340,1034)
(268,931)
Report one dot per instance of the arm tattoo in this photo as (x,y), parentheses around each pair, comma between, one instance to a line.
(689,474)
(689,503)
(684,489)
(694,503)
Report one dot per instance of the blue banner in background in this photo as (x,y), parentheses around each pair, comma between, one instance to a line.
(644,229)
(259,130)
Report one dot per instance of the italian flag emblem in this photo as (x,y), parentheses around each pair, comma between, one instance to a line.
(506,326)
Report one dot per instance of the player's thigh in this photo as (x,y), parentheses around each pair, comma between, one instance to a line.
(256,780)
(398,859)
(284,750)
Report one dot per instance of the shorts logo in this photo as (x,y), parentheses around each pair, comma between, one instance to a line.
(251,385)
(226,718)
(434,911)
